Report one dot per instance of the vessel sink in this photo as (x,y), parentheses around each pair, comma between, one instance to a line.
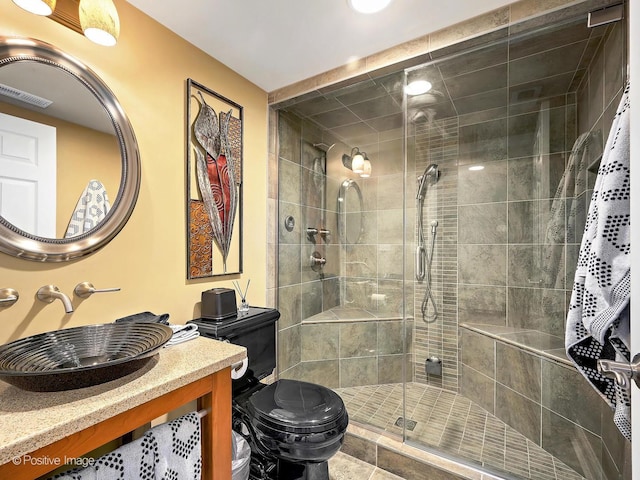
(80,356)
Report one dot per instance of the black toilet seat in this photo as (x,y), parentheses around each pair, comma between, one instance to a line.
(297,407)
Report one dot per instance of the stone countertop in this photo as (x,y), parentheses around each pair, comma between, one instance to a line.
(31,420)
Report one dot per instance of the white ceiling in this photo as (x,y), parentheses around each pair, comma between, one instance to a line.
(275,43)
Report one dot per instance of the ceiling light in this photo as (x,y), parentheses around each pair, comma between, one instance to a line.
(476,168)
(418,87)
(99,21)
(39,7)
(368,6)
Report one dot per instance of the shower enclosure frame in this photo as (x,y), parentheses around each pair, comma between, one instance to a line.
(407,265)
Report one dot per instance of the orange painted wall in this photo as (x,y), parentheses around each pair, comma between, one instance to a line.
(147,71)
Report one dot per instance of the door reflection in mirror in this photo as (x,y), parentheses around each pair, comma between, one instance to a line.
(28,175)
(42,178)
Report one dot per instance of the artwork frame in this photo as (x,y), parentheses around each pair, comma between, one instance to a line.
(214,165)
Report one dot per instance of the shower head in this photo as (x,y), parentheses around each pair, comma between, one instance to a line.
(324,146)
(430,172)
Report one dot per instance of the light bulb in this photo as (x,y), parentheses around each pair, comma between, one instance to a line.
(357,163)
(99,21)
(39,7)
(418,87)
(368,6)
(366,170)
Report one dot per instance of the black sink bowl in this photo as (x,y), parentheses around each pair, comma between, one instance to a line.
(81,356)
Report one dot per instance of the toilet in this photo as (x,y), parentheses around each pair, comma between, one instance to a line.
(293,427)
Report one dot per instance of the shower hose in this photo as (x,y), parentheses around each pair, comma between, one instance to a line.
(425,260)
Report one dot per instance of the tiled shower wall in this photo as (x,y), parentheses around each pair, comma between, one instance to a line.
(437,143)
(302,292)
(494,263)
(558,409)
(357,352)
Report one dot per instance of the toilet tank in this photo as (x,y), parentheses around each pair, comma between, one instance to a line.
(255,330)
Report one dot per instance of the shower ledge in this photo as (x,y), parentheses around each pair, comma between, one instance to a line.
(352,314)
(534,341)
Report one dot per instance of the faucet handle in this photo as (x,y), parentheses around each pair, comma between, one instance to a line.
(8,296)
(86,289)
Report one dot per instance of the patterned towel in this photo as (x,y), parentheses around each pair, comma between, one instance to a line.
(93,205)
(598,317)
(170,451)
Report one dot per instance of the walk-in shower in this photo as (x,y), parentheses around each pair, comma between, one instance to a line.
(454,222)
(424,257)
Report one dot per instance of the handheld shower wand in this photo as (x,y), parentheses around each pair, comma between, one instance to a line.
(424,259)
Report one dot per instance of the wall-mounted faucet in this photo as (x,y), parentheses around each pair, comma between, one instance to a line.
(312,232)
(50,293)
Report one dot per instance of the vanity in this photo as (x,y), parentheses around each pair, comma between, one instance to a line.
(38,431)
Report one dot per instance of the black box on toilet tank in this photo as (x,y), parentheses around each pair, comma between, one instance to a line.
(219,303)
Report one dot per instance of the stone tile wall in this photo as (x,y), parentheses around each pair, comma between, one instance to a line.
(548,401)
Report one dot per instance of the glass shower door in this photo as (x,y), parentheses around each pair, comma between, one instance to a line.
(516,133)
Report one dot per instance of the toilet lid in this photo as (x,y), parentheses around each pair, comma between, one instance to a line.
(295,406)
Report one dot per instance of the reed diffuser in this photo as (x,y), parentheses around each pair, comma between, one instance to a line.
(244,305)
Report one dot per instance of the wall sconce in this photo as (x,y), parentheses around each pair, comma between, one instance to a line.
(96,19)
(99,21)
(39,7)
(358,162)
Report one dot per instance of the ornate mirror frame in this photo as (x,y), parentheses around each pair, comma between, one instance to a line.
(19,243)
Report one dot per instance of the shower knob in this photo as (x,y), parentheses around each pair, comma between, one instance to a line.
(317,261)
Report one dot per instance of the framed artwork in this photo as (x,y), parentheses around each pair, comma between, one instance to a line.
(214,183)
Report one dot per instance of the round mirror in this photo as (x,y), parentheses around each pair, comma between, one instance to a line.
(69,162)
(350,211)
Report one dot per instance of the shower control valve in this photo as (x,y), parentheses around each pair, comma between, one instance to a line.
(317,261)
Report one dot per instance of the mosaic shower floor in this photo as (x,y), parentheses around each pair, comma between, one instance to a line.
(454,425)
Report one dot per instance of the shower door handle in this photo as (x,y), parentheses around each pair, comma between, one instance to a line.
(622,372)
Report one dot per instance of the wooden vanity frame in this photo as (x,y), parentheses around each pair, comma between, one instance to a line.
(212,392)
